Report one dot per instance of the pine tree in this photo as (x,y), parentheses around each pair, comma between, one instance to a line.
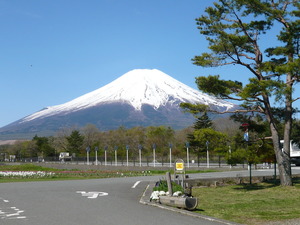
(75,142)
(234,30)
(202,122)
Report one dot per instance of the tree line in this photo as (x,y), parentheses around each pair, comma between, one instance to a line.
(223,138)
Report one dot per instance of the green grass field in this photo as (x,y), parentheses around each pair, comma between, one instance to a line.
(250,204)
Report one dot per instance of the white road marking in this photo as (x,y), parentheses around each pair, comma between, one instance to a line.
(92,194)
(20,217)
(15,214)
(10,212)
(136,184)
(4,200)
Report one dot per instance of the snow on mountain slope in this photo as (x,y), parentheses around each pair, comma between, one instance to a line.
(136,87)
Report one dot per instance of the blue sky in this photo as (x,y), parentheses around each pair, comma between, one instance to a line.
(54,51)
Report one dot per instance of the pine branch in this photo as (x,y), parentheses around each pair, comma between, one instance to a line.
(237,111)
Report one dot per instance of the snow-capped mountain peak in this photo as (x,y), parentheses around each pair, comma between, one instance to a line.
(136,87)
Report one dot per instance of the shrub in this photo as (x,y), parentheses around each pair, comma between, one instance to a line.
(163,186)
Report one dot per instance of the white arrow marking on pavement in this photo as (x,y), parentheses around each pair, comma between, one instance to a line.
(92,194)
(10,212)
(136,184)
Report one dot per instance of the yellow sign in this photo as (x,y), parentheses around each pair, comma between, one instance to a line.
(179,166)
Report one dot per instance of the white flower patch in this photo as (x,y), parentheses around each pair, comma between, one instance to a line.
(155,194)
(177,194)
(29,174)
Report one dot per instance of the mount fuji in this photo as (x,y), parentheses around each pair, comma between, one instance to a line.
(141,97)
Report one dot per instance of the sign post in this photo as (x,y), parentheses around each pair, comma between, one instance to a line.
(116,156)
(170,145)
(207,154)
(246,133)
(187,144)
(105,155)
(140,153)
(246,139)
(88,149)
(154,147)
(127,149)
(230,156)
(96,151)
(180,169)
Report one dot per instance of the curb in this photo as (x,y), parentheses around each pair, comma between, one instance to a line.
(145,200)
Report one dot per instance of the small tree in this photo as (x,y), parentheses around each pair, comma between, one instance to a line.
(91,136)
(161,136)
(202,122)
(134,137)
(43,146)
(75,142)
(216,140)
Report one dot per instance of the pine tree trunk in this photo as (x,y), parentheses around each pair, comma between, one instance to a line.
(288,120)
(283,160)
(282,157)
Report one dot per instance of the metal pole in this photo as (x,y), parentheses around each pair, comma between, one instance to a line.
(87,158)
(170,155)
(154,158)
(207,154)
(275,176)
(87,155)
(105,155)
(188,157)
(187,154)
(207,158)
(96,159)
(140,156)
(96,151)
(250,173)
(140,153)
(127,148)
(116,157)
(230,156)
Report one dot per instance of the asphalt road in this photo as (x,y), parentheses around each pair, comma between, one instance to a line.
(84,202)
(88,202)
